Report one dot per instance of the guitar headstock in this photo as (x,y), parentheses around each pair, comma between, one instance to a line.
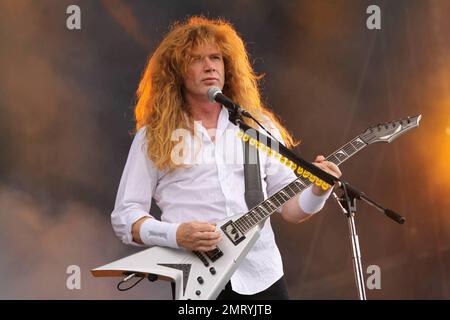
(387,132)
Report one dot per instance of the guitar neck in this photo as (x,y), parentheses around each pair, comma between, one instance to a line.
(260,212)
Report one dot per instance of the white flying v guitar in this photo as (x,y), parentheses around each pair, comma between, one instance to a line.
(203,275)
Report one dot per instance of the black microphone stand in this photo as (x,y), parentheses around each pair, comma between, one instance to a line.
(346,202)
(348,207)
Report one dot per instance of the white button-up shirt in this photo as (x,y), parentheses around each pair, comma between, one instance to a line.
(210,189)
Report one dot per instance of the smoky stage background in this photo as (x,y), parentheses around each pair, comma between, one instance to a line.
(66,100)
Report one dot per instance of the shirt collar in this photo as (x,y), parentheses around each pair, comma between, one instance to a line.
(222,124)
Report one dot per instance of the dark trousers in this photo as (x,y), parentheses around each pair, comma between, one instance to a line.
(277,291)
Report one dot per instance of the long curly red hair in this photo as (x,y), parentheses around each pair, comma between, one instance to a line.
(160,103)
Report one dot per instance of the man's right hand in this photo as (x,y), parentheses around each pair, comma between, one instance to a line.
(197,236)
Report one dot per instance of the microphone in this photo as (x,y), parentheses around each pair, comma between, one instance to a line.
(216,95)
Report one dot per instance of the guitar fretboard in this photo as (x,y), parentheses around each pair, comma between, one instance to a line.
(270,205)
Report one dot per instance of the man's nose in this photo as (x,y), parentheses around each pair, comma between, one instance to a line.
(208,65)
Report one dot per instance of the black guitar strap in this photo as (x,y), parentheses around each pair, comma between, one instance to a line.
(252,175)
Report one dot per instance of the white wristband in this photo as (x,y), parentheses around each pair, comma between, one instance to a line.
(310,203)
(158,233)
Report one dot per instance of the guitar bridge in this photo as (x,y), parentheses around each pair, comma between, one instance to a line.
(201,257)
(232,232)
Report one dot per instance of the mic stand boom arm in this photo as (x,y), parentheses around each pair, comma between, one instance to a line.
(236,115)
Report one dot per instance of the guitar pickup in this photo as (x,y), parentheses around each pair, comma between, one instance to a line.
(214,254)
(232,232)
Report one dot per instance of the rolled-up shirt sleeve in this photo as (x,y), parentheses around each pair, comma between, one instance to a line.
(136,188)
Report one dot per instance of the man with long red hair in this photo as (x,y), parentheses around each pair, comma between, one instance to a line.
(172,98)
